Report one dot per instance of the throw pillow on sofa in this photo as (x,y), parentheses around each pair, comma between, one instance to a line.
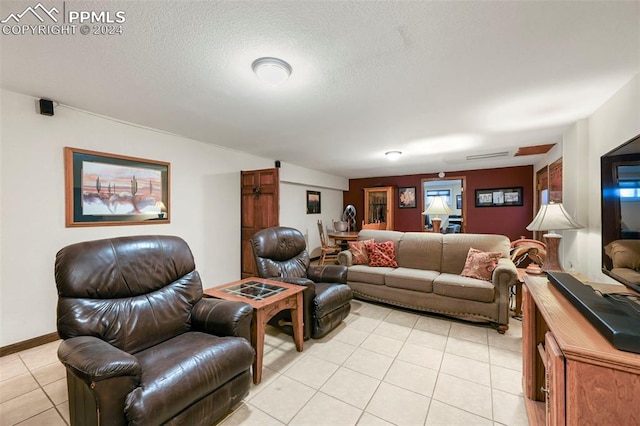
(480,264)
(382,254)
(359,253)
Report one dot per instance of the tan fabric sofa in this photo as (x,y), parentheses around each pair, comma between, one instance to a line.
(625,258)
(428,275)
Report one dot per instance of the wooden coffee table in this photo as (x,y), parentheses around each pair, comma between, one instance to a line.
(267,297)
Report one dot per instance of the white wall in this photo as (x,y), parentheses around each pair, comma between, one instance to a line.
(294,183)
(293,211)
(575,197)
(205,202)
(614,123)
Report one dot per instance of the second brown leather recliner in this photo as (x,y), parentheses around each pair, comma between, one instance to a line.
(281,254)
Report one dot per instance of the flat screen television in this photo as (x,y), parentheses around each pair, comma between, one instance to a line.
(620,178)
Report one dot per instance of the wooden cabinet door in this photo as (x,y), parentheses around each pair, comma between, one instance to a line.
(555,407)
(530,366)
(260,207)
(379,206)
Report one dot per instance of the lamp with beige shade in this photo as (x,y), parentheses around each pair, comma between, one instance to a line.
(552,217)
(437,207)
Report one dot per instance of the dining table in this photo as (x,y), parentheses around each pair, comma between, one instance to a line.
(343,237)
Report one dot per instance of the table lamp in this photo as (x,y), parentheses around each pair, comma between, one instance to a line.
(552,217)
(162,208)
(437,207)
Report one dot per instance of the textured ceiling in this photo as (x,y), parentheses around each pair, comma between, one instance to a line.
(437,80)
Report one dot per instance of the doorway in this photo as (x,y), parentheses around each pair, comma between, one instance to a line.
(452,190)
(548,188)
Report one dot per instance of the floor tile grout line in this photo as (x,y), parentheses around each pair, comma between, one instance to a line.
(53,405)
(379,320)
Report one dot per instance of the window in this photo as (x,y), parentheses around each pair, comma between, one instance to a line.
(430,194)
(629,191)
(628,183)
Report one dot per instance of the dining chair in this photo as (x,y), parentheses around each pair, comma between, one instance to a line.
(329,252)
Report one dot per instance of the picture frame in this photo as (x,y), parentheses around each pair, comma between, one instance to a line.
(459,201)
(103,189)
(499,197)
(314,205)
(407,197)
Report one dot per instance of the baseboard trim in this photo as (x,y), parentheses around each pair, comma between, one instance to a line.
(28,344)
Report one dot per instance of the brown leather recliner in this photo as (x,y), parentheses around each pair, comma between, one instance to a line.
(141,345)
(280,254)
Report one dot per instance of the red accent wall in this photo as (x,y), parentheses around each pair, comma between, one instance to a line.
(510,221)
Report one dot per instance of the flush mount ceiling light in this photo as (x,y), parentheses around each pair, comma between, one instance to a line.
(393,155)
(272,71)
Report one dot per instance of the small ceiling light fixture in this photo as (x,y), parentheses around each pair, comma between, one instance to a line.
(393,155)
(272,71)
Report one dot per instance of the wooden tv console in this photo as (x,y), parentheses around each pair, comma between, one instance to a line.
(571,374)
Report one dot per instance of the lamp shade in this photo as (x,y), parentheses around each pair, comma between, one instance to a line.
(552,217)
(437,206)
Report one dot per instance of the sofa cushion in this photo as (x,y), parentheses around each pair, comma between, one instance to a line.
(367,274)
(459,287)
(480,264)
(359,253)
(420,250)
(382,254)
(627,274)
(411,279)
(192,365)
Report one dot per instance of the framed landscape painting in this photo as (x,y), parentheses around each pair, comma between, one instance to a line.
(108,189)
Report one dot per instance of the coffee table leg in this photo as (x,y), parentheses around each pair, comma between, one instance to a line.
(257,341)
(298,323)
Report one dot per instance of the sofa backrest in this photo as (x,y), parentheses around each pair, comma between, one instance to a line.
(434,251)
(381,236)
(420,250)
(455,248)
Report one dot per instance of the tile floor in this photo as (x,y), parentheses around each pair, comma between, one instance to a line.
(382,366)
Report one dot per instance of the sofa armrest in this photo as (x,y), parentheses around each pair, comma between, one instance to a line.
(94,360)
(222,317)
(328,274)
(345,258)
(505,275)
